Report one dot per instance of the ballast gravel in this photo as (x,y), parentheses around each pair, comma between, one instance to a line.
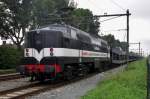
(11,84)
(77,89)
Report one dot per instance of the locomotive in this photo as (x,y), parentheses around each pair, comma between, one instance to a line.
(62,51)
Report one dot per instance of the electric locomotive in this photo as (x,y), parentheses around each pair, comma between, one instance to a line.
(60,50)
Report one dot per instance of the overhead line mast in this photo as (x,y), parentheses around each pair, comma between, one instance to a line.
(139,47)
(126,14)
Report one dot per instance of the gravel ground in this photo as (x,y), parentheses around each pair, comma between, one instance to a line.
(11,84)
(77,89)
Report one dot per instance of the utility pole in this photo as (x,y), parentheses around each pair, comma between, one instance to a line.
(138,48)
(148,77)
(127,35)
(126,14)
(141,52)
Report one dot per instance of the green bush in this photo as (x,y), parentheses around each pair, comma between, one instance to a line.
(9,57)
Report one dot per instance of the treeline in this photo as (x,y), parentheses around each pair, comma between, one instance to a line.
(113,42)
(9,56)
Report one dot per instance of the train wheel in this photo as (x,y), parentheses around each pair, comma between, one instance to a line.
(91,67)
(100,68)
(68,72)
(83,70)
(41,77)
(105,67)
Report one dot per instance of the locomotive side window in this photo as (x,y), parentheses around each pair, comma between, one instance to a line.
(96,48)
(84,38)
(67,33)
(85,41)
(86,46)
(73,34)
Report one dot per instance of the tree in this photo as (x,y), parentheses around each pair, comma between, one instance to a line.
(84,20)
(14,19)
(110,39)
(9,57)
(112,42)
(47,12)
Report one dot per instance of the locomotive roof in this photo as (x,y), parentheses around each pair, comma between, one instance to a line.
(95,39)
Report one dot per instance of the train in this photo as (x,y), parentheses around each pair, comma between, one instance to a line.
(61,51)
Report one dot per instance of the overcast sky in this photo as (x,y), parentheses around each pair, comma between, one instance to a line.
(139,20)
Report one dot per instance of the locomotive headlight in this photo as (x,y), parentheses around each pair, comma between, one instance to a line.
(27,54)
(27,50)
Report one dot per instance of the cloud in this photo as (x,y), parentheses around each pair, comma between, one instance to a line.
(138,8)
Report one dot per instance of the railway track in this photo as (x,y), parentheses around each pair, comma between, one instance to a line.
(35,88)
(24,91)
(13,93)
(10,76)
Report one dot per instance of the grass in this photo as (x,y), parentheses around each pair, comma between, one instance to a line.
(7,71)
(129,84)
